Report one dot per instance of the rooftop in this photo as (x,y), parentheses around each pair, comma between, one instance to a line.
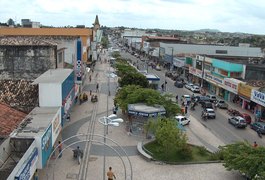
(25,41)
(53,76)
(19,94)
(36,122)
(45,31)
(9,119)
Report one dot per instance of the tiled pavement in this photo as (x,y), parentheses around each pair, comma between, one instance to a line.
(67,167)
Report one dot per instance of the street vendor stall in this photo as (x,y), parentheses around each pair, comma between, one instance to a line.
(139,114)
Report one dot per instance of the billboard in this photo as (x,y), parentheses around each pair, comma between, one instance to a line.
(28,168)
(46,145)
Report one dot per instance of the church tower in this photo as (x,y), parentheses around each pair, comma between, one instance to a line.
(96,24)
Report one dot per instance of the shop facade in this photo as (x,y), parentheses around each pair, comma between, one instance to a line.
(259,98)
(231,88)
(244,97)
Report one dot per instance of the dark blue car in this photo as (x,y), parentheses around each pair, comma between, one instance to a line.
(258,125)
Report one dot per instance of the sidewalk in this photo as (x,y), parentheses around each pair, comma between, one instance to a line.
(67,167)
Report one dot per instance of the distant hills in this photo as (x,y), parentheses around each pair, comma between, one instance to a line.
(208,30)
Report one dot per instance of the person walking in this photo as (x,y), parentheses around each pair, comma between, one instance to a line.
(97,87)
(177,98)
(255,144)
(60,148)
(110,174)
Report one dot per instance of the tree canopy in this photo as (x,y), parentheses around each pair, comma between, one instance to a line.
(169,138)
(245,158)
(131,94)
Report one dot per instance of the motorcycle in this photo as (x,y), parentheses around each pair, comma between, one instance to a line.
(204,116)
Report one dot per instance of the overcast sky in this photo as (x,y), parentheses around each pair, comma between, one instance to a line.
(225,15)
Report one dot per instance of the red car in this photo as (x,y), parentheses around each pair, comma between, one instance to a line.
(247,117)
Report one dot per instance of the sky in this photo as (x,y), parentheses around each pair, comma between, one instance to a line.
(247,16)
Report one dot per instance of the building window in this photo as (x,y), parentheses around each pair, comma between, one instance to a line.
(60,57)
(221,51)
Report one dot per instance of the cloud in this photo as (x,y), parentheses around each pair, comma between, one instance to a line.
(225,15)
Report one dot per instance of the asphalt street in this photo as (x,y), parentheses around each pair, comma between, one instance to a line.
(219,126)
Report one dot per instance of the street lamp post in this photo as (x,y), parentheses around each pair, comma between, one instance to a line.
(111,120)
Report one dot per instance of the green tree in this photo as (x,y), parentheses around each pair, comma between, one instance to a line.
(169,138)
(245,158)
(131,94)
(134,78)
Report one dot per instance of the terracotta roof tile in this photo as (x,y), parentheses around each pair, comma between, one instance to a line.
(9,119)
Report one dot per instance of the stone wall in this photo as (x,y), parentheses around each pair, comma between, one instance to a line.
(26,62)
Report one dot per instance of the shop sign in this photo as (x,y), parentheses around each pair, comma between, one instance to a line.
(78,65)
(67,102)
(214,79)
(178,62)
(56,128)
(244,90)
(195,72)
(28,168)
(258,97)
(231,85)
(46,145)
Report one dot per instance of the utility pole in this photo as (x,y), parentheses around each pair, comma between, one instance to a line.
(203,63)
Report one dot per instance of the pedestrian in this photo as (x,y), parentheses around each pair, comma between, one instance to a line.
(60,148)
(177,98)
(110,174)
(90,92)
(90,78)
(97,87)
(162,87)
(36,175)
(255,144)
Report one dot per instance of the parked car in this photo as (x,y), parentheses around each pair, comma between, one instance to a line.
(258,125)
(207,104)
(183,120)
(209,113)
(237,121)
(189,86)
(246,116)
(195,89)
(221,104)
(158,68)
(201,99)
(212,98)
(179,84)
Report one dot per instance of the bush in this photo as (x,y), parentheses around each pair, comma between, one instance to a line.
(218,155)
(185,152)
(202,150)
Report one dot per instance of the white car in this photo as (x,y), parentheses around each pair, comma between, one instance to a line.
(183,120)
(189,86)
(195,89)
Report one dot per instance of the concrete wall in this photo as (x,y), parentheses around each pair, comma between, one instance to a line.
(50,94)
(27,62)
(5,150)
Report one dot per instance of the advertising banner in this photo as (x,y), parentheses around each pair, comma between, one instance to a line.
(258,97)
(195,72)
(231,84)
(56,127)
(214,79)
(46,145)
(244,90)
(78,64)
(28,168)
(178,62)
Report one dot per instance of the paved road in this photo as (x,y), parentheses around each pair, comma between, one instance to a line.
(219,126)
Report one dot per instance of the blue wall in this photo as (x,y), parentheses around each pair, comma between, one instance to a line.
(227,66)
(68,85)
